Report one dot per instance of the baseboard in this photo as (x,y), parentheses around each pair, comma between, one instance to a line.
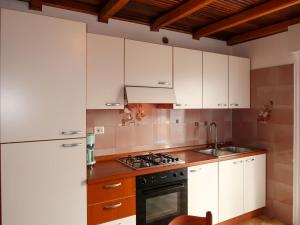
(242,218)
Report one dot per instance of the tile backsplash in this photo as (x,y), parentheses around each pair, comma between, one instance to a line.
(271,84)
(160,128)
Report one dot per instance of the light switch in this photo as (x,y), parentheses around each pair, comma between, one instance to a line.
(98,130)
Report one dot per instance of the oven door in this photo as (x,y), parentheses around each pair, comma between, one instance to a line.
(159,205)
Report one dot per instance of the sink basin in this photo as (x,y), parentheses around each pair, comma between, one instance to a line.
(224,151)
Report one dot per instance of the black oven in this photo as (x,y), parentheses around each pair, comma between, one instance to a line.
(160,197)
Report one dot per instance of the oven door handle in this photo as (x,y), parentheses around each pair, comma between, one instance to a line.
(163,188)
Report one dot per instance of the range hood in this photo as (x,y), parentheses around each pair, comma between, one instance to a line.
(151,95)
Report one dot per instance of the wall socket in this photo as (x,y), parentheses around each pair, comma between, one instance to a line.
(98,130)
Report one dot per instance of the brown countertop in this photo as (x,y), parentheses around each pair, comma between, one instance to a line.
(112,169)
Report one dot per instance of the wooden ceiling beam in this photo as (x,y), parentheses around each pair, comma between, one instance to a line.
(35,5)
(179,12)
(110,9)
(263,32)
(245,16)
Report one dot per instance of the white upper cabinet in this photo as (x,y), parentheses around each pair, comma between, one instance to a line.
(43,77)
(239,82)
(215,80)
(231,189)
(148,64)
(255,182)
(188,78)
(203,190)
(105,72)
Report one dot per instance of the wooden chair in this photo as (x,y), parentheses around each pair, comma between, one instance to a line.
(192,220)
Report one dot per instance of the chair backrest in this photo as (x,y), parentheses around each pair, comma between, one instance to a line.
(192,220)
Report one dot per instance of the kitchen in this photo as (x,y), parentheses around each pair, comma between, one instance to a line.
(165,101)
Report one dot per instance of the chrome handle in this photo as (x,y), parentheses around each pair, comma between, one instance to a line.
(194,171)
(178,104)
(113,104)
(113,206)
(72,132)
(108,186)
(234,104)
(163,83)
(71,145)
(236,162)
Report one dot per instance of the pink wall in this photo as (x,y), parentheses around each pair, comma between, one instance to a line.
(276,84)
(158,129)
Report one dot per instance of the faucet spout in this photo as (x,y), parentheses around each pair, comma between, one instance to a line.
(211,125)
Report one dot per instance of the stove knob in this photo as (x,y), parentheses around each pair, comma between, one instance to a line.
(164,161)
(168,160)
(177,159)
(181,173)
(174,174)
(144,181)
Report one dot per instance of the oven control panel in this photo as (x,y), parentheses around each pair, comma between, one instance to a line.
(153,179)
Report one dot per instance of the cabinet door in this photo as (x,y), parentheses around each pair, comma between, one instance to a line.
(43,77)
(148,64)
(215,80)
(105,72)
(255,182)
(239,82)
(231,189)
(188,78)
(203,190)
(130,220)
(43,183)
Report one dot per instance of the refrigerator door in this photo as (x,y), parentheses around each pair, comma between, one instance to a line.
(44,183)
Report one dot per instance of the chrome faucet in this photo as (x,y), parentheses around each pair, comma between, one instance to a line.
(211,125)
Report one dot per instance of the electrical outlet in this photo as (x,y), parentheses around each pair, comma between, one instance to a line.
(98,130)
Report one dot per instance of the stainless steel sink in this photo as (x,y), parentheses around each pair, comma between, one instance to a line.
(224,151)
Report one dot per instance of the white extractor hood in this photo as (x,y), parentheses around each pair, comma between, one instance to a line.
(151,95)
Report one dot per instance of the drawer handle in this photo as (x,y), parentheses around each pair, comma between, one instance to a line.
(113,104)
(71,145)
(224,104)
(234,104)
(163,83)
(108,186)
(219,104)
(72,132)
(113,206)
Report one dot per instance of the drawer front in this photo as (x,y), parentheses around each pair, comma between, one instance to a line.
(130,220)
(111,210)
(110,190)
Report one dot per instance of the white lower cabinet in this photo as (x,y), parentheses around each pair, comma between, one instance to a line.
(130,220)
(231,189)
(254,182)
(203,190)
(44,183)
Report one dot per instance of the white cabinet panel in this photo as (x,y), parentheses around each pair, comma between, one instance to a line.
(43,77)
(255,182)
(203,190)
(231,189)
(188,78)
(215,80)
(239,82)
(130,220)
(148,64)
(105,72)
(44,183)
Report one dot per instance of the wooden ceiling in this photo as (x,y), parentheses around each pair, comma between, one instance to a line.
(234,21)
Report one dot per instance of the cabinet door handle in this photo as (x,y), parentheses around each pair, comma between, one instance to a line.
(71,145)
(178,104)
(72,132)
(109,186)
(112,104)
(113,206)
(224,104)
(234,104)
(194,171)
(163,83)
(219,104)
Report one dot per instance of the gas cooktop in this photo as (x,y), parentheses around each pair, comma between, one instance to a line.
(150,160)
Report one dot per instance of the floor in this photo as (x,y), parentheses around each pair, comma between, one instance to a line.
(262,220)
